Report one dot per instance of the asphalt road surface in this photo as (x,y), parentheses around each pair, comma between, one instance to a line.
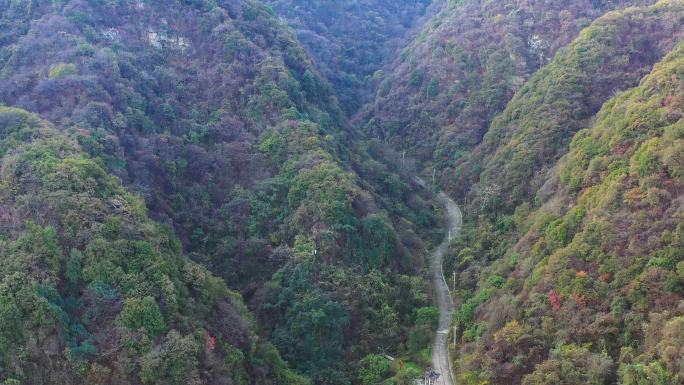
(440,347)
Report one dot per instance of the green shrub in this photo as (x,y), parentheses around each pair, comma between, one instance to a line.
(374,369)
(142,313)
(175,364)
(428,316)
(61,70)
(645,161)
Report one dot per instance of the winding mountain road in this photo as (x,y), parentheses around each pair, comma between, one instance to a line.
(440,346)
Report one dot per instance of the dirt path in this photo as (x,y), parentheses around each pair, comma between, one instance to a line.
(440,347)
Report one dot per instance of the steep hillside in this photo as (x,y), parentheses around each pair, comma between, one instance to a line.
(445,89)
(183,200)
(535,128)
(545,260)
(350,40)
(213,113)
(92,291)
(594,291)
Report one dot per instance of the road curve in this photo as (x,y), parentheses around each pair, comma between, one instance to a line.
(440,346)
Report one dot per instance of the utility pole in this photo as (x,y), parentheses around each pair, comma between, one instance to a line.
(433,178)
(403,157)
(454,280)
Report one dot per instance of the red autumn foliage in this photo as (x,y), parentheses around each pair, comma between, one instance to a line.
(210,341)
(554,299)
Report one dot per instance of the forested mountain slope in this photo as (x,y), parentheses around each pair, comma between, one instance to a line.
(214,114)
(594,289)
(567,269)
(159,157)
(560,266)
(536,126)
(92,291)
(350,40)
(440,96)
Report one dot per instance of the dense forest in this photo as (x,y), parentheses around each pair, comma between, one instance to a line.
(531,259)
(351,40)
(443,90)
(92,288)
(215,117)
(229,192)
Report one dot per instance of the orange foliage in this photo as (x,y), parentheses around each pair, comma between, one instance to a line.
(579,299)
(606,277)
(633,196)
